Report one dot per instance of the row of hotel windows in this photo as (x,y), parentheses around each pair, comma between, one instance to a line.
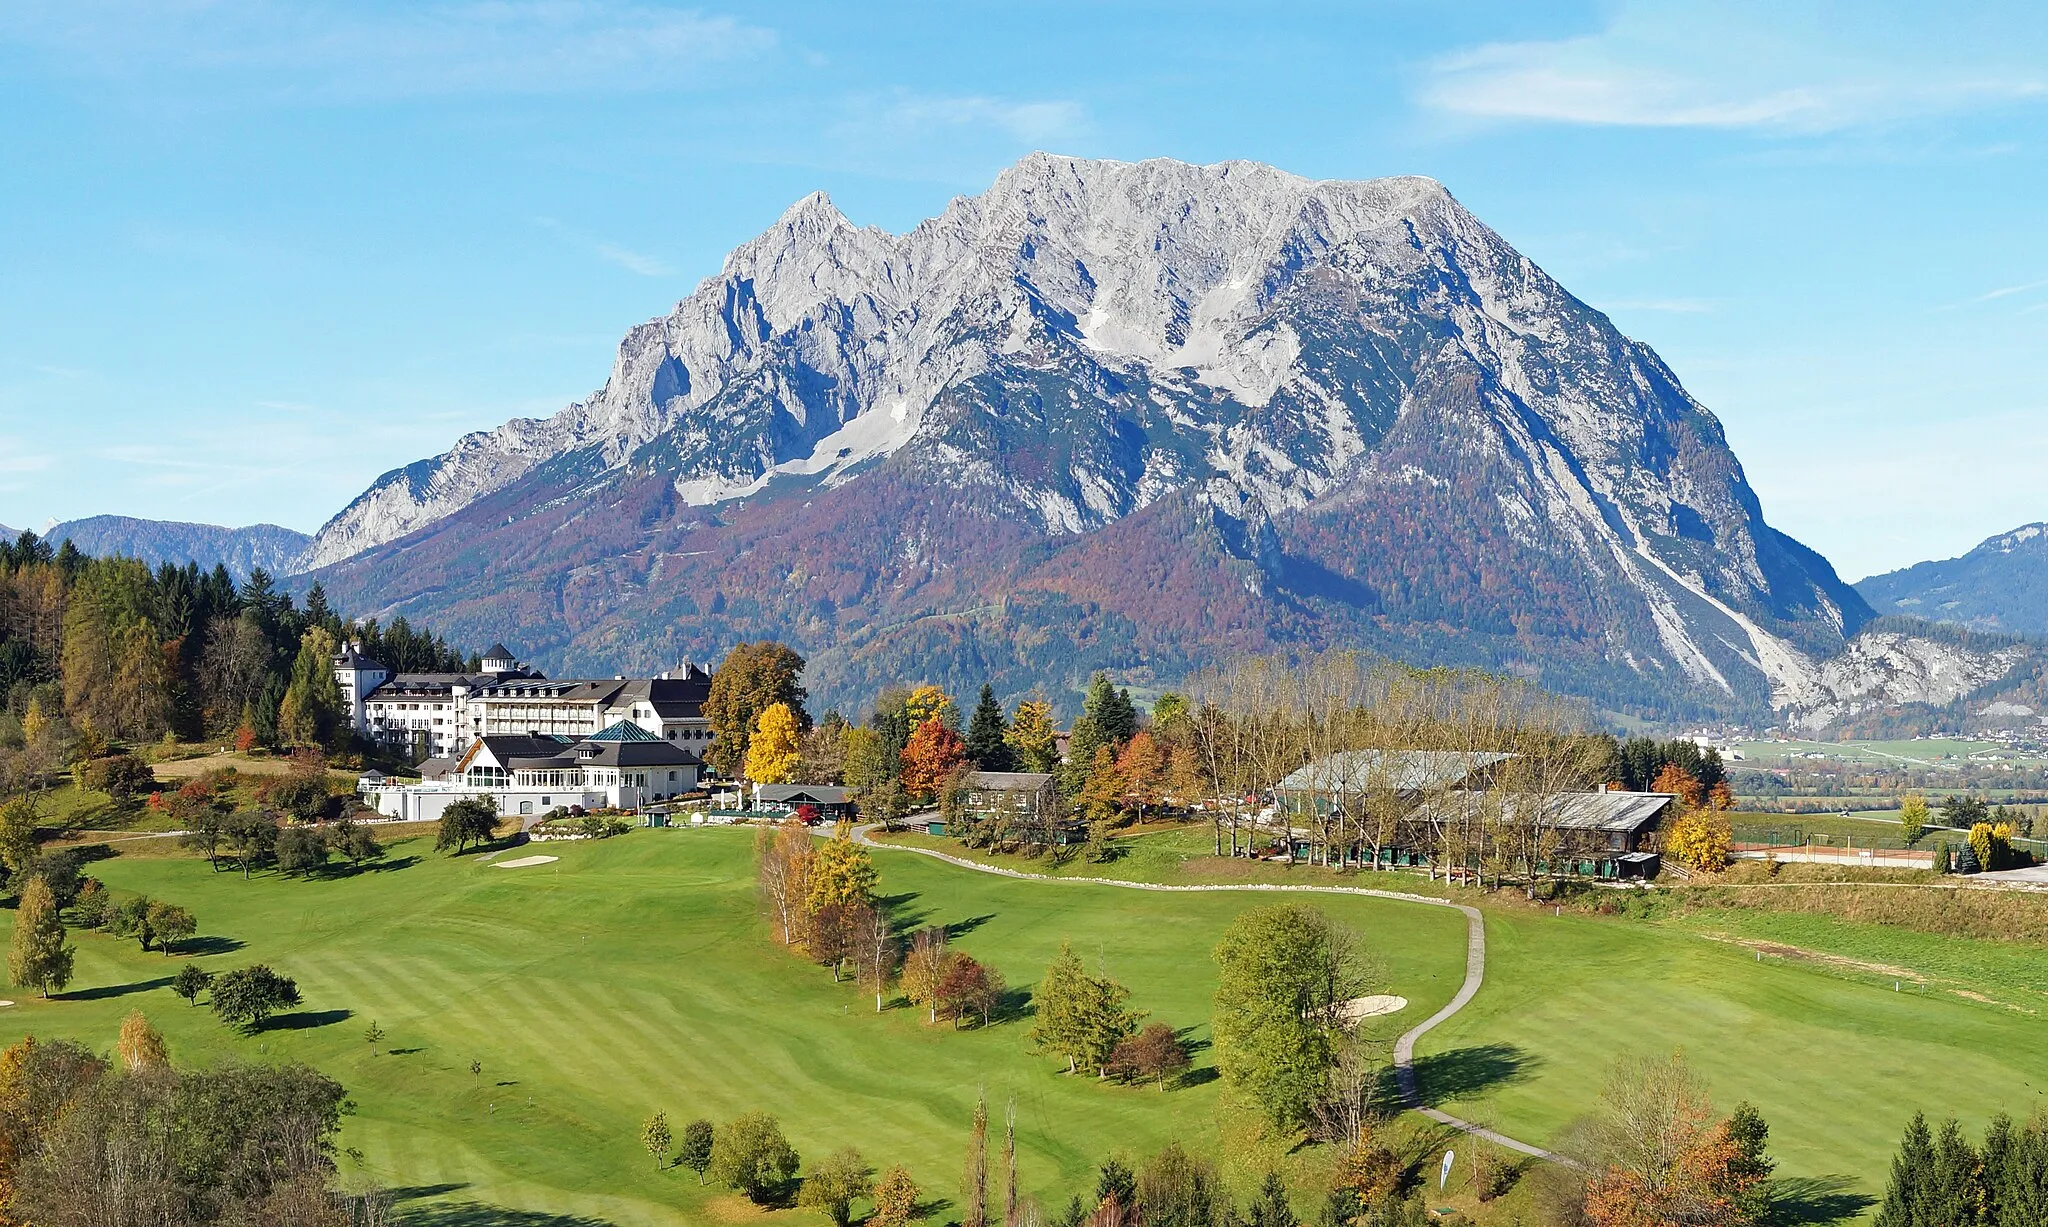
(498,777)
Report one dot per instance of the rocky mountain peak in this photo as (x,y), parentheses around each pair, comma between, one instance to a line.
(1291,358)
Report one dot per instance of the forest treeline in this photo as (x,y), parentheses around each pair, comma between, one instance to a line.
(1219,749)
(101,650)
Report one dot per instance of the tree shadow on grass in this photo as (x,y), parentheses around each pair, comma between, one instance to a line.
(903,917)
(413,1192)
(1816,1200)
(350,871)
(931,1210)
(960,928)
(476,1214)
(1013,1004)
(1465,1072)
(195,946)
(306,1020)
(113,990)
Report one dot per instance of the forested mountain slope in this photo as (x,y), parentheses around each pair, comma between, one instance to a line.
(242,550)
(2002,585)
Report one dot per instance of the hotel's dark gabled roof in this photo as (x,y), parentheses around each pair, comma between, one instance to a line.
(505,747)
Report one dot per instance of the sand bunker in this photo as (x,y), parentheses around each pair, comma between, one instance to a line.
(523,862)
(1358,1009)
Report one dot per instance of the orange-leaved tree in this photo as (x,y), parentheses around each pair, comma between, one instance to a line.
(1677,781)
(1141,771)
(1659,1157)
(933,751)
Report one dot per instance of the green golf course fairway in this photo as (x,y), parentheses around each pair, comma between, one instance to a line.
(1837,1062)
(635,974)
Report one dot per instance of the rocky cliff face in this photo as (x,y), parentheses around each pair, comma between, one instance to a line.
(1122,415)
(1889,669)
(2002,585)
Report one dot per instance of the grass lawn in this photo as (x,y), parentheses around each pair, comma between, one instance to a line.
(634,975)
(1836,1061)
(1173,855)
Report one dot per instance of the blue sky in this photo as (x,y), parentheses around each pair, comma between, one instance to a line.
(253,254)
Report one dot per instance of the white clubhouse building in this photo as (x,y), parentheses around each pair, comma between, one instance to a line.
(526,775)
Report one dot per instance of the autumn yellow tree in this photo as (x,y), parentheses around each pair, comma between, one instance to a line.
(1700,839)
(843,875)
(1033,737)
(775,747)
(929,702)
(895,1198)
(141,1046)
(754,677)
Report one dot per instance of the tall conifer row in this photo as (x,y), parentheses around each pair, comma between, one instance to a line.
(974,1181)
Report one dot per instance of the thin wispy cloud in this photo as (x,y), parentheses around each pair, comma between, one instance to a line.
(902,118)
(614,254)
(13,459)
(1729,66)
(354,52)
(2007,291)
(1028,123)
(633,261)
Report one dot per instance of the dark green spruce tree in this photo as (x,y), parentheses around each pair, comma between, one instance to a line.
(1957,1189)
(985,735)
(1906,1192)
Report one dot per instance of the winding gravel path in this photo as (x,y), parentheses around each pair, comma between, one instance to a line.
(1404,1048)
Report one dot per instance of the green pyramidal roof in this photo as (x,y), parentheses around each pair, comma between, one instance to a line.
(624,730)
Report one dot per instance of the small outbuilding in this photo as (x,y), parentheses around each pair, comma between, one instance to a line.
(831,803)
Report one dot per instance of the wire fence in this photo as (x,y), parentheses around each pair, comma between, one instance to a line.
(1794,835)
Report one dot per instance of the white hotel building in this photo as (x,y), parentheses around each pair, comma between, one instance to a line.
(530,743)
(439,715)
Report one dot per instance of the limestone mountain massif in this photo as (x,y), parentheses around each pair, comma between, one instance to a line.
(1131,416)
(1122,415)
